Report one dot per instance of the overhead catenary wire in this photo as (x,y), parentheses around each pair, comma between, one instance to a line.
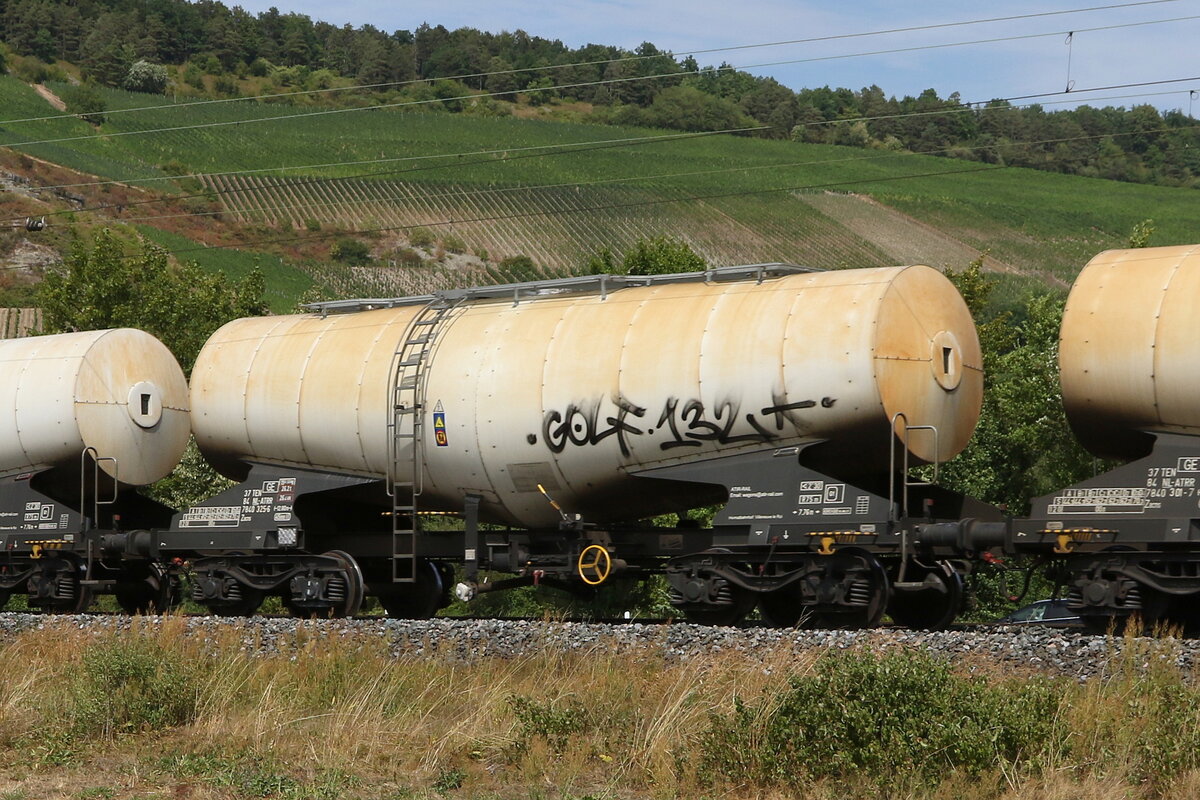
(545,150)
(470,193)
(636,204)
(624,59)
(587,209)
(522,153)
(582,84)
(580,210)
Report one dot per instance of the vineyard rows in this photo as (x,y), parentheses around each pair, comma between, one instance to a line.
(560,227)
(18,322)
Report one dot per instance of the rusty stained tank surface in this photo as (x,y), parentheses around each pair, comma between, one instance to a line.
(118,391)
(1129,348)
(575,391)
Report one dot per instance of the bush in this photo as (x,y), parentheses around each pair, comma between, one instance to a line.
(32,69)
(350,251)
(226,85)
(260,67)
(897,718)
(320,79)
(602,262)
(663,255)
(312,225)
(193,76)
(453,244)
(130,685)
(555,724)
(146,77)
(409,257)
(421,237)
(519,269)
(452,94)
(86,101)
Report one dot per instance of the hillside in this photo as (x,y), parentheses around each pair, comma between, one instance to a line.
(557,192)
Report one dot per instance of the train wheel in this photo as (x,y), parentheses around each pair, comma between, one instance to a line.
(354,589)
(868,592)
(932,608)
(239,601)
(57,587)
(724,614)
(420,599)
(783,608)
(246,605)
(154,592)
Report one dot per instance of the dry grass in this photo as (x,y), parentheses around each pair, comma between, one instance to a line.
(341,717)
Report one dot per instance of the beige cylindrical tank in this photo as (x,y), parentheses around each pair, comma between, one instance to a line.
(118,391)
(1129,349)
(574,391)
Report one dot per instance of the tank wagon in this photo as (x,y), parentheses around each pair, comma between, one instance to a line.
(93,416)
(554,417)
(1125,541)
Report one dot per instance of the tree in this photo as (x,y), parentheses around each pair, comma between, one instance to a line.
(146,77)
(111,285)
(601,262)
(1023,446)
(86,101)
(662,255)
(688,109)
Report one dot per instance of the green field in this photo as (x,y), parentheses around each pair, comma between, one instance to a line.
(1036,222)
(285,284)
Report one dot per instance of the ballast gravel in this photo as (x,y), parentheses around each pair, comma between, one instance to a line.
(1055,651)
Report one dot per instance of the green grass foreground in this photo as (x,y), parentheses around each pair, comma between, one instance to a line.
(156,712)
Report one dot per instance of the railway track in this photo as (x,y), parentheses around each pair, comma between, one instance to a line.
(1057,652)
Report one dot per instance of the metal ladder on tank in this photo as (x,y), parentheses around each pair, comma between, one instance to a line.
(906,483)
(900,465)
(405,475)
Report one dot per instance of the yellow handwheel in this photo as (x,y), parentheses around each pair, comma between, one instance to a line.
(594,564)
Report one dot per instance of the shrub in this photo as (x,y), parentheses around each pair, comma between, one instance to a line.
(893,718)
(312,225)
(193,76)
(32,69)
(517,269)
(555,723)
(146,77)
(320,79)
(226,85)
(130,685)
(602,262)
(421,237)
(409,257)
(453,244)
(87,102)
(260,67)
(662,255)
(350,251)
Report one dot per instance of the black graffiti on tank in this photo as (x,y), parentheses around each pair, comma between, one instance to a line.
(580,425)
(685,423)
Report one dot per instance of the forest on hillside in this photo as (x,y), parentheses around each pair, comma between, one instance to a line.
(120,42)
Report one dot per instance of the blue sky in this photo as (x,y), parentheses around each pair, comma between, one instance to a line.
(978,71)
